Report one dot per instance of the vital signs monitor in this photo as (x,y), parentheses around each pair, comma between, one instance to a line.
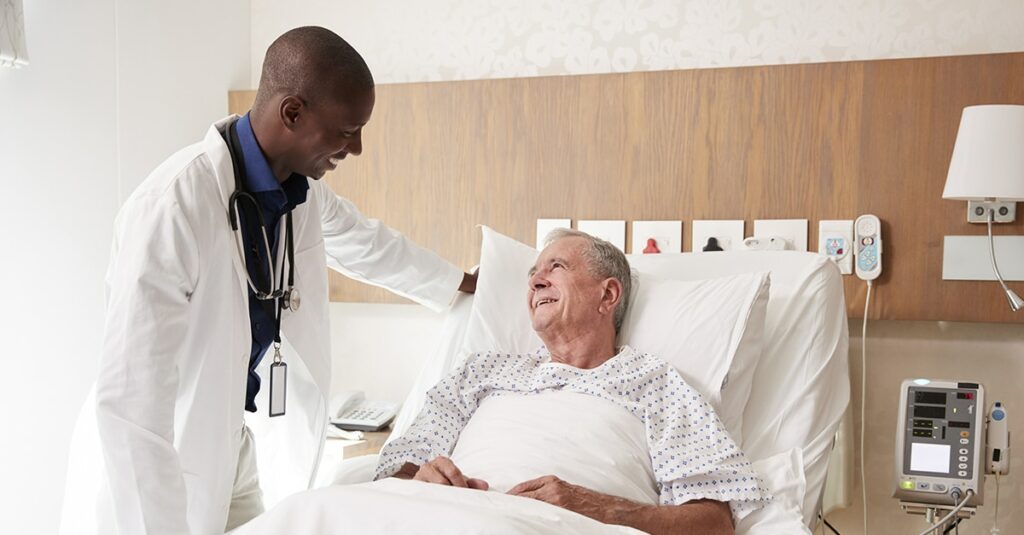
(940,442)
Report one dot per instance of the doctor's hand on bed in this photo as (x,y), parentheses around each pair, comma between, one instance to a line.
(468,283)
(699,516)
(442,471)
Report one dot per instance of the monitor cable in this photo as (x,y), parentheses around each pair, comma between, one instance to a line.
(952,514)
(995,519)
(825,523)
(863,401)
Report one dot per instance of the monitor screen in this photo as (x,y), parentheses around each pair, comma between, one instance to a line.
(929,411)
(935,398)
(929,458)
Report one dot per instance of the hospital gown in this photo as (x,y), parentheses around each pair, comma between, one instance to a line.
(692,455)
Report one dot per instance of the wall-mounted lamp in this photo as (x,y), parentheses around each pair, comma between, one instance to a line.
(987,170)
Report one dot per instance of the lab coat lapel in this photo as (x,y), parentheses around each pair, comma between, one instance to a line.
(217,150)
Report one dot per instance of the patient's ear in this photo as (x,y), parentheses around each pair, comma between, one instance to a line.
(611,294)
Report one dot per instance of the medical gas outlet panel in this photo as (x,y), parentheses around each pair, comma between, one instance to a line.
(939,442)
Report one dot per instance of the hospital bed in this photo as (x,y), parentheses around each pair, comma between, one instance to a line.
(797,398)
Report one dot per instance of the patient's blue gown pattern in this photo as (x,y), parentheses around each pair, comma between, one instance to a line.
(691,452)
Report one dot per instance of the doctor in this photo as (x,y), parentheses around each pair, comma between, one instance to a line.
(195,305)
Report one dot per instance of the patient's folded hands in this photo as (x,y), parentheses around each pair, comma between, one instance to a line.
(701,516)
(575,498)
(440,470)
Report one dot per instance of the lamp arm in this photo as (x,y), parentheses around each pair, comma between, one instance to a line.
(1016,303)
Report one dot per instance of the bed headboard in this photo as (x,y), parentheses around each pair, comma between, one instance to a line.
(814,141)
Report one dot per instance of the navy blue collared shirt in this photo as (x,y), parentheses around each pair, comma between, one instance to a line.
(275,199)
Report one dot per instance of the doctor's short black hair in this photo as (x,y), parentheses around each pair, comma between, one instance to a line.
(313,63)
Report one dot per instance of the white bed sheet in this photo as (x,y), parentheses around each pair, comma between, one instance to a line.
(402,506)
(806,345)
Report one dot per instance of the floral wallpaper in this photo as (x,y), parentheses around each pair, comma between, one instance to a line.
(415,40)
(12,34)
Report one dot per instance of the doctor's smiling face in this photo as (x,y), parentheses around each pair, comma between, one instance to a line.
(565,298)
(327,130)
(315,95)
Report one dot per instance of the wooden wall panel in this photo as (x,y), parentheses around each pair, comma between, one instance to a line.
(818,141)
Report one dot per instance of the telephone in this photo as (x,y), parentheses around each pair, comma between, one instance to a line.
(351,411)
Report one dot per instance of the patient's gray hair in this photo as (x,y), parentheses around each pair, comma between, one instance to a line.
(604,260)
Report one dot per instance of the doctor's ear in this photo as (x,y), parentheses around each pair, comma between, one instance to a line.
(290,110)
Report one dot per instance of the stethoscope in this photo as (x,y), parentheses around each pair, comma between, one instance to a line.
(288,294)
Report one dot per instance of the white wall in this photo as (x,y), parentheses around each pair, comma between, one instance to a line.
(75,139)
(176,62)
(380,348)
(407,41)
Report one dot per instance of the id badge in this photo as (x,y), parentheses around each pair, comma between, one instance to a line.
(278,388)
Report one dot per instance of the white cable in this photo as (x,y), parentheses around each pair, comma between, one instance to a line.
(995,519)
(863,401)
(1013,299)
(942,521)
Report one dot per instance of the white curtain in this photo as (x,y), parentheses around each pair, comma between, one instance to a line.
(12,34)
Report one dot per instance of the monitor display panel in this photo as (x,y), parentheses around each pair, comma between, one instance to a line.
(929,458)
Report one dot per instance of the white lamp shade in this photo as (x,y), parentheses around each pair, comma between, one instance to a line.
(988,158)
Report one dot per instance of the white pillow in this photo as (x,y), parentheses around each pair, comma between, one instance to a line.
(709,330)
(499,319)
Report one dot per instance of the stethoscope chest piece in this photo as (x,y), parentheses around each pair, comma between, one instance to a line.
(291,299)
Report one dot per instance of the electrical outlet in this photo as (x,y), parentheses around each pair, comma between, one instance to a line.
(613,231)
(835,240)
(977,211)
(728,234)
(794,231)
(667,236)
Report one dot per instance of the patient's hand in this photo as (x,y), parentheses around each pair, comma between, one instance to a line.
(442,471)
(575,498)
(707,517)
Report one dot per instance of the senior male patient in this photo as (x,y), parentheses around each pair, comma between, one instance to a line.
(692,476)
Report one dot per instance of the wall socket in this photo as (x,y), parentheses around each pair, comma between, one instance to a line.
(977,211)
(794,231)
(728,234)
(835,241)
(667,236)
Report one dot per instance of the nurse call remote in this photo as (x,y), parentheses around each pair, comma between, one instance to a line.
(868,246)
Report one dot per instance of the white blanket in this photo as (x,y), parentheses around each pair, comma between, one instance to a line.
(582,439)
(403,506)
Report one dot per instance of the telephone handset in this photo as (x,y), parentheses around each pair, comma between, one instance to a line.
(351,411)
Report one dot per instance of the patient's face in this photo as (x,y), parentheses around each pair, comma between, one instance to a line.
(563,295)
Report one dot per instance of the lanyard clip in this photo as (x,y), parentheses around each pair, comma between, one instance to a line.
(277,353)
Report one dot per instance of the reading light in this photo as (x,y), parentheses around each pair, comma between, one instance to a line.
(987,170)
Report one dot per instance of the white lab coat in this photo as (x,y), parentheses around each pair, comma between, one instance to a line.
(169,400)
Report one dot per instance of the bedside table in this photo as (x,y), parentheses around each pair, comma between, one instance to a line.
(337,450)
(371,444)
